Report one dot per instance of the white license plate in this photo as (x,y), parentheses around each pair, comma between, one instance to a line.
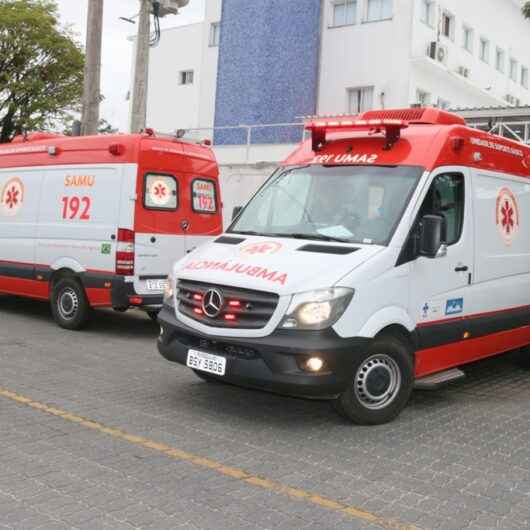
(206,362)
(156,285)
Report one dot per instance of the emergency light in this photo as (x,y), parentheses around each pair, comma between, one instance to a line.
(391,128)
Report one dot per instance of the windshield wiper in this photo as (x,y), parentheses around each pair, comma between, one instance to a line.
(247,233)
(317,237)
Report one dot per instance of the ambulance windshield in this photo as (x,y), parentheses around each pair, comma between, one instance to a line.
(352,204)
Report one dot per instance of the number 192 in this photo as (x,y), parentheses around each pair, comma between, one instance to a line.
(76,207)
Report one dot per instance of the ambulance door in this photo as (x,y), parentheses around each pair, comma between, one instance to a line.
(19,203)
(440,287)
(160,225)
(78,218)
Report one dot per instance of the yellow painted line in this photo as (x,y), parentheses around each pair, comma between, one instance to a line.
(228,471)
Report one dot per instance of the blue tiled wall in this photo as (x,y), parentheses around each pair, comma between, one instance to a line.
(268,67)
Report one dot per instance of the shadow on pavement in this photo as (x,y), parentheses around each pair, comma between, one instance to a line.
(132,323)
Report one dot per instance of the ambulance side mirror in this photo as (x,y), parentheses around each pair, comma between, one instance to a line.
(236,211)
(432,237)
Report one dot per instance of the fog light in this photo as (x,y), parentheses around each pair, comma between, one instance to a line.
(314,364)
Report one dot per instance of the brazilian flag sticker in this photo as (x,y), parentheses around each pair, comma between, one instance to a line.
(105,248)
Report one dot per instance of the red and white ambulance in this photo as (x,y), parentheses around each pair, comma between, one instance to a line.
(388,251)
(97,221)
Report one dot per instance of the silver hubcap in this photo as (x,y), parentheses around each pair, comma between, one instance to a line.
(377,382)
(68,303)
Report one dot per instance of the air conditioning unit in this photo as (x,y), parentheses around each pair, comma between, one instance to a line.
(438,52)
(463,71)
(171,7)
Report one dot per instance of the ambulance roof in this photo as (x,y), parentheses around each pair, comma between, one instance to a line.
(45,149)
(424,137)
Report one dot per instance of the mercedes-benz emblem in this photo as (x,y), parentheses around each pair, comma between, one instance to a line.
(212,303)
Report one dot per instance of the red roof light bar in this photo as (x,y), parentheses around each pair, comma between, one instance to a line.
(319,128)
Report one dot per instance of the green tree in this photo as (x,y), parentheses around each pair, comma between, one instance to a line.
(41,67)
(526,10)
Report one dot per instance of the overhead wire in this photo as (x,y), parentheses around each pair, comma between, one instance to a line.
(154,38)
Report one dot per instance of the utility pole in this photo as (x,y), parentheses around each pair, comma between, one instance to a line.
(141,70)
(92,80)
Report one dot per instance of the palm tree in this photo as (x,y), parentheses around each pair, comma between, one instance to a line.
(526,10)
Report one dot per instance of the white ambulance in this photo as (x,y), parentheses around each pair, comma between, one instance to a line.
(388,251)
(96,221)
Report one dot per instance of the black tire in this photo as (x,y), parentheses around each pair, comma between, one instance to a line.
(207,377)
(380,397)
(523,358)
(153,315)
(70,307)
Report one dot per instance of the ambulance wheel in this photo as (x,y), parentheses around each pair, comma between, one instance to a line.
(382,382)
(153,315)
(523,358)
(70,307)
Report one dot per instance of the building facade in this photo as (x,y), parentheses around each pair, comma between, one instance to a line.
(251,64)
(272,61)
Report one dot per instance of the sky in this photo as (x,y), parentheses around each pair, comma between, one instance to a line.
(117,49)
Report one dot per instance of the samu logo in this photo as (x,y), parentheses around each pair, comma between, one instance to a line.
(12,196)
(266,248)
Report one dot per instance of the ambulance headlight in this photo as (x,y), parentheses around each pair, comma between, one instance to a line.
(317,309)
(169,291)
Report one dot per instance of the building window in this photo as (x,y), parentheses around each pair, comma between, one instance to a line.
(423,98)
(186,77)
(514,69)
(448,25)
(344,13)
(484,50)
(443,104)
(215,33)
(360,99)
(467,39)
(524,76)
(499,60)
(378,10)
(427,12)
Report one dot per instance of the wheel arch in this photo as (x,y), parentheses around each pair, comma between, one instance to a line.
(394,317)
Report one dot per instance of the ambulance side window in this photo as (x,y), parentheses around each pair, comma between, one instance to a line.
(203,194)
(446,197)
(160,192)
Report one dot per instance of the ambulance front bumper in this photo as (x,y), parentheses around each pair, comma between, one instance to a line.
(273,363)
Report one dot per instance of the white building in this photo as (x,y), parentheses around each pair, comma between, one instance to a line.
(273,61)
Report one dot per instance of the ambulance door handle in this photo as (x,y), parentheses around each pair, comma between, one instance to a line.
(462,268)
(153,239)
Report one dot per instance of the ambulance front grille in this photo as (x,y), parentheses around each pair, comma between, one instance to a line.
(238,308)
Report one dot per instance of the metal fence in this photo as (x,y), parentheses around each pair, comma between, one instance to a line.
(292,133)
(514,130)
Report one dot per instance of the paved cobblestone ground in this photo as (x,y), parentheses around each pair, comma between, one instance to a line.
(456,459)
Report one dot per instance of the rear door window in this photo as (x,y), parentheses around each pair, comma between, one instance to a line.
(160,192)
(204,199)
